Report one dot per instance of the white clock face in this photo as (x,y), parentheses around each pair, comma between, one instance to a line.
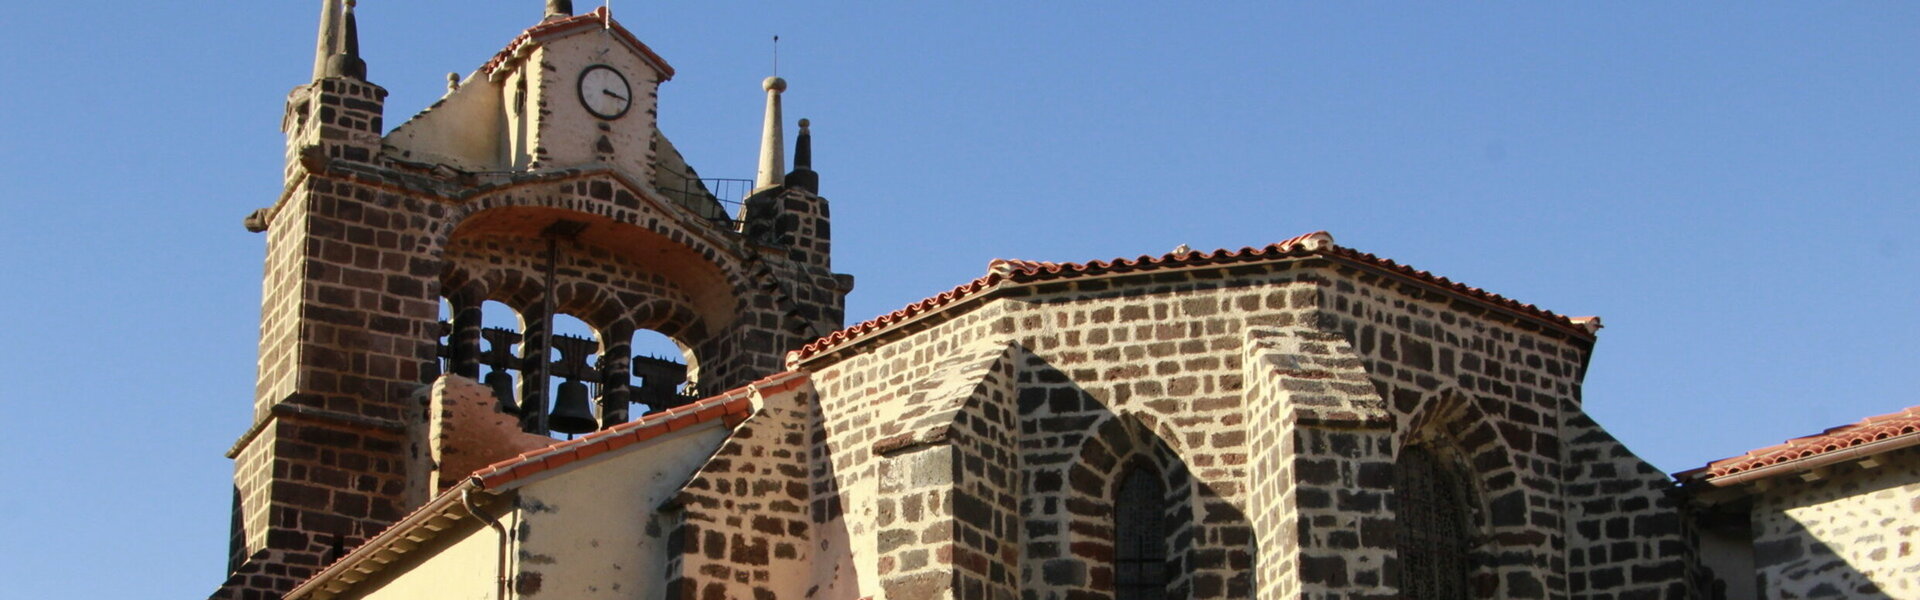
(605,93)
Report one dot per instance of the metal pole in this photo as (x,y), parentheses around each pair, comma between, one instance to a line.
(546,340)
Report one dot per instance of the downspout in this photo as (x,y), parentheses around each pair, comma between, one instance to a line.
(500,562)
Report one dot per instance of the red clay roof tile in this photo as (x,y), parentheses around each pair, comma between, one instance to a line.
(597,18)
(733,403)
(1318,243)
(1871,429)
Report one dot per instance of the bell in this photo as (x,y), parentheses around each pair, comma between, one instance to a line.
(571,412)
(502,384)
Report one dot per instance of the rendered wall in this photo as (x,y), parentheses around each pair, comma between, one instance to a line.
(595,531)
(1854,535)
(465,569)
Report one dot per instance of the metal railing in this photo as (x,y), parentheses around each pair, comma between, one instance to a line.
(697,194)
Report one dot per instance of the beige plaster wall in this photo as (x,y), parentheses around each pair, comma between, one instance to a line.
(464,130)
(566,135)
(593,531)
(1853,534)
(467,569)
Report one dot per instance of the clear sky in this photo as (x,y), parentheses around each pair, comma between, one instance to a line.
(1733,188)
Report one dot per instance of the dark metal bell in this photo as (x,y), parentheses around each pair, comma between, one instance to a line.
(572,412)
(502,384)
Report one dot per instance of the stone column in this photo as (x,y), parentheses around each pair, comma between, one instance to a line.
(463,357)
(616,375)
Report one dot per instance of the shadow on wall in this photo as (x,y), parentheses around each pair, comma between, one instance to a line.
(1092,472)
(1800,566)
(836,574)
(1792,557)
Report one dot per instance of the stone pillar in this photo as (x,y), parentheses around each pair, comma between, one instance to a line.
(535,357)
(616,375)
(463,344)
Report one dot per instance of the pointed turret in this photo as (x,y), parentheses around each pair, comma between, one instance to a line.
(559,9)
(802,175)
(773,162)
(329,37)
(346,62)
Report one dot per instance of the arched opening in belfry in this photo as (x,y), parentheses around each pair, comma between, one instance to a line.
(1140,535)
(498,353)
(663,370)
(575,380)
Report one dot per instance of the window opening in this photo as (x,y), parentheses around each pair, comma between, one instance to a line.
(1434,538)
(1140,537)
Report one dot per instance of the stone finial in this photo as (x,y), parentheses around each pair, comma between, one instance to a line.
(453,82)
(329,37)
(346,62)
(773,161)
(559,9)
(1182,250)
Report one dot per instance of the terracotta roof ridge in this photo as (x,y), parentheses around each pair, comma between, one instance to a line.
(598,16)
(732,405)
(1870,430)
(1318,242)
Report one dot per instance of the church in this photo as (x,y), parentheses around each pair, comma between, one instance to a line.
(1300,420)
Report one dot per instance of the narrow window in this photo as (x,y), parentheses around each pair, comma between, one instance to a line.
(1434,538)
(1140,537)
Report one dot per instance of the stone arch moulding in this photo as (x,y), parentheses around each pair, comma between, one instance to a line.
(1463,432)
(1117,446)
(1454,423)
(631,207)
(610,273)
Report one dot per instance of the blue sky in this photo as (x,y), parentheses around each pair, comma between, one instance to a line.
(1732,188)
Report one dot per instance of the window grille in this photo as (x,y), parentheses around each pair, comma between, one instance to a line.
(1140,538)
(1434,538)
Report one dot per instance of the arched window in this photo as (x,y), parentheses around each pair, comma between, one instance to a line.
(1140,537)
(1434,534)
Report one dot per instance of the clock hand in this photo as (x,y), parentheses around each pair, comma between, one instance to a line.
(610,93)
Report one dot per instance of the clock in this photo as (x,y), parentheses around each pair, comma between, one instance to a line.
(604,92)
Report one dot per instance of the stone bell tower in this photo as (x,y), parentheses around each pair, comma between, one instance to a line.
(541,182)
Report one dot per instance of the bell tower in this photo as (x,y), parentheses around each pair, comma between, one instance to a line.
(542,184)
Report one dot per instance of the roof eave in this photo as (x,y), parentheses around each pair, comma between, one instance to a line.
(995,284)
(1788,467)
(447,505)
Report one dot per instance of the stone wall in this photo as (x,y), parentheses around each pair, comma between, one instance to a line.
(743,529)
(1150,367)
(1323,460)
(1851,534)
(1627,534)
(362,248)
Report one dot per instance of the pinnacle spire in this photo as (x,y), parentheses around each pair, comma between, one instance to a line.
(773,161)
(802,175)
(346,61)
(559,8)
(329,35)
